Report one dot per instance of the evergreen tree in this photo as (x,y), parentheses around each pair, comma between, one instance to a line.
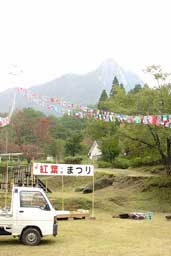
(115,85)
(136,89)
(102,99)
(115,81)
(122,86)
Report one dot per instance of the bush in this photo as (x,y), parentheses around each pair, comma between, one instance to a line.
(73,160)
(140,161)
(12,163)
(157,182)
(103,164)
(121,163)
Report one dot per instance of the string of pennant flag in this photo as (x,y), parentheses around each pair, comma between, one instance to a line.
(61,107)
(51,103)
(6,120)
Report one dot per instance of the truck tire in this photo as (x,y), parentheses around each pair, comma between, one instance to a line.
(31,236)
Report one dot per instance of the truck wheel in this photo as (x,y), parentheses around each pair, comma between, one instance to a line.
(31,236)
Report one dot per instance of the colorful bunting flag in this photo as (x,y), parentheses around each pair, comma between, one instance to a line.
(62,107)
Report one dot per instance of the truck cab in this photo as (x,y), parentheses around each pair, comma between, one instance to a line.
(30,217)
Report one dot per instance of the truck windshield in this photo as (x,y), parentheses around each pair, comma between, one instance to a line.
(33,199)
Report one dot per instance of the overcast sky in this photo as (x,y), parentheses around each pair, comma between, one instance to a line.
(48,38)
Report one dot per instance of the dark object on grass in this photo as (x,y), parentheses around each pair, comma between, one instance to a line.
(99,184)
(131,215)
(87,190)
(168,217)
(122,216)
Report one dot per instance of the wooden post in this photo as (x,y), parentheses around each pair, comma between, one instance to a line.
(46,185)
(93,199)
(6,187)
(32,175)
(62,192)
(92,212)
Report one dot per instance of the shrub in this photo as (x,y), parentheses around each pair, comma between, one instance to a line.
(121,163)
(73,160)
(103,164)
(140,161)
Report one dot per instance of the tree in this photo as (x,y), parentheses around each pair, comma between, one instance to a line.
(73,145)
(158,74)
(118,102)
(100,129)
(149,140)
(115,81)
(102,99)
(136,89)
(64,127)
(110,148)
(41,130)
(30,151)
(115,84)
(56,148)
(23,125)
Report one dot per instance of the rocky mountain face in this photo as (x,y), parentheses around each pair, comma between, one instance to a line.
(80,89)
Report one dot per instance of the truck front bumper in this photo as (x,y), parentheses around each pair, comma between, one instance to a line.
(55,229)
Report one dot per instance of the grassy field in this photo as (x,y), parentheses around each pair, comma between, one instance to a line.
(103,236)
(131,191)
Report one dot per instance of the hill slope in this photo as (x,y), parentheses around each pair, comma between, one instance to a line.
(80,89)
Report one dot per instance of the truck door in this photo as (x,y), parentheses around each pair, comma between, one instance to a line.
(34,210)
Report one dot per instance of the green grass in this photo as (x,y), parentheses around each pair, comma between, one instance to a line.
(103,236)
(132,190)
(129,193)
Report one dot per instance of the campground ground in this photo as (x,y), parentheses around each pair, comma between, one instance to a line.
(103,236)
(106,235)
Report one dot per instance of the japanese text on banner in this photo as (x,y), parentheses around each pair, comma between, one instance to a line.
(63,169)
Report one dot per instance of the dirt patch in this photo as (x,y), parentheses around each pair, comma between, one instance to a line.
(99,184)
(129,181)
(115,181)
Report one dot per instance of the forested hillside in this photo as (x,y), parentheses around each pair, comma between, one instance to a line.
(139,135)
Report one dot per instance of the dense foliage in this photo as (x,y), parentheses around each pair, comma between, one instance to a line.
(143,144)
(37,135)
(121,144)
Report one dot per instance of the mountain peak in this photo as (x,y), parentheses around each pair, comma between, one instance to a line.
(108,62)
(80,89)
(109,69)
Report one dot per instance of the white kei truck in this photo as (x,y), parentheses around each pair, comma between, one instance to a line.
(30,217)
